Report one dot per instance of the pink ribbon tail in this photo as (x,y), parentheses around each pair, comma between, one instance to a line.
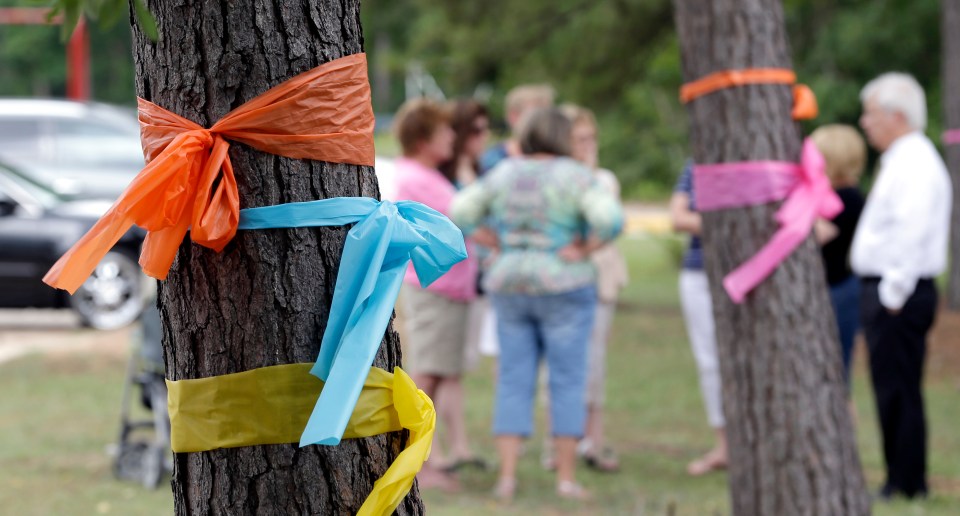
(739,282)
(951,137)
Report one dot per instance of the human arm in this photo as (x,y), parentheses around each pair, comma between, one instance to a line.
(603,213)
(682,218)
(469,208)
(913,223)
(608,180)
(486,237)
(580,250)
(824,231)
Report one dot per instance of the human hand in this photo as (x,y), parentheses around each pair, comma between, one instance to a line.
(485,237)
(575,251)
(825,231)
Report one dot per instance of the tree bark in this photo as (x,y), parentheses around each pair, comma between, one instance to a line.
(265,299)
(950,33)
(792,445)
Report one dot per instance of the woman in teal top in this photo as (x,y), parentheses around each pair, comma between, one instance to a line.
(543,213)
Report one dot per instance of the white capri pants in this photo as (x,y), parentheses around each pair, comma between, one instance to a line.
(597,355)
(698,314)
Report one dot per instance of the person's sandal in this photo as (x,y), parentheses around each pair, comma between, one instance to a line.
(605,462)
(572,491)
(706,464)
(505,489)
(473,462)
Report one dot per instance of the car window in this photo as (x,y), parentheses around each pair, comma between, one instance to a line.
(90,143)
(20,191)
(20,139)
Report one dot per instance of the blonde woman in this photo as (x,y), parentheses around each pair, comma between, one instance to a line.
(845,153)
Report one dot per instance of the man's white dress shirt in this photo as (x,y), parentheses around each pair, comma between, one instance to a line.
(902,233)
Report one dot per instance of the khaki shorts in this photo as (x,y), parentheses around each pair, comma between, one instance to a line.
(436,332)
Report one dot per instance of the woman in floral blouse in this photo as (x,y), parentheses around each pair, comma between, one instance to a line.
(544,213)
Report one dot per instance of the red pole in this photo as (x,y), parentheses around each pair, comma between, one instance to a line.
(78,63)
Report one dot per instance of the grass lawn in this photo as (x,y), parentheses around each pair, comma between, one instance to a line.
(59,412)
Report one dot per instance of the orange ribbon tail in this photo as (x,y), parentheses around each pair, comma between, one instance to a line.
(155,199)
(804,103)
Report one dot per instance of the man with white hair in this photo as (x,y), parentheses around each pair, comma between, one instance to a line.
(899,247)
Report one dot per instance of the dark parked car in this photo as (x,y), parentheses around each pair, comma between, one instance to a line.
(81,149)
(37,225)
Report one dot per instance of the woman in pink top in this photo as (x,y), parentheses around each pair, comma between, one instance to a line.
(436,317)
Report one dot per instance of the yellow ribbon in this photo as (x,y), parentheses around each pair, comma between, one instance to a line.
(271,405)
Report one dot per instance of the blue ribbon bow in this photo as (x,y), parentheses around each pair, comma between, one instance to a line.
(372,267)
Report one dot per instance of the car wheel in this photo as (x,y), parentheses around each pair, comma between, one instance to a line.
(112,297)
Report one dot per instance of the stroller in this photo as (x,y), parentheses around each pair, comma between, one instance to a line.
(143,451)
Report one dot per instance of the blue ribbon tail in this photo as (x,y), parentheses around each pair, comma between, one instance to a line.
(372,267)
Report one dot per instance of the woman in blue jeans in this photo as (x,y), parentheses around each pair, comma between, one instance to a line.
(544,213)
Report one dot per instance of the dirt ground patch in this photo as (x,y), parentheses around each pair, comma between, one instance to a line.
(943,356)
(56,334)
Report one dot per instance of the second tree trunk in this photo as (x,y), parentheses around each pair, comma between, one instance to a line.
(792,447)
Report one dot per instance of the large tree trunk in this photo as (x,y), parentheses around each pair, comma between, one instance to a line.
(265,299)
(950,33)
(792,446)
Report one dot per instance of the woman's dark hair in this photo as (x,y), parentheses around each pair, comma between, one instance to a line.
(546,131)
(416,121)
(463,118)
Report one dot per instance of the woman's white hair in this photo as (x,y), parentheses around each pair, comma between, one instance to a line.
(899,92)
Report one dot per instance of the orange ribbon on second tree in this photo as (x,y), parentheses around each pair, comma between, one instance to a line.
(804,100)
(323,114)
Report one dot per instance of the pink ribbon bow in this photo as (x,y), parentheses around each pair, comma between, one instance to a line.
(808,195)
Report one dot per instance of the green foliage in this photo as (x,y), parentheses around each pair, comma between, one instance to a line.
(33,59)
(111,62)
(107,12)
(621,58)
(148,24)
(840,46)
(617,57)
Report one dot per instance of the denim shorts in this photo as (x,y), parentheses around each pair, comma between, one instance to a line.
(555,327)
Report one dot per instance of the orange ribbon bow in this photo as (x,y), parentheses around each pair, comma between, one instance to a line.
(323,114)
(804,101)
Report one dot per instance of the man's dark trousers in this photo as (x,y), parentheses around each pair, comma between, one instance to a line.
(898,345)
